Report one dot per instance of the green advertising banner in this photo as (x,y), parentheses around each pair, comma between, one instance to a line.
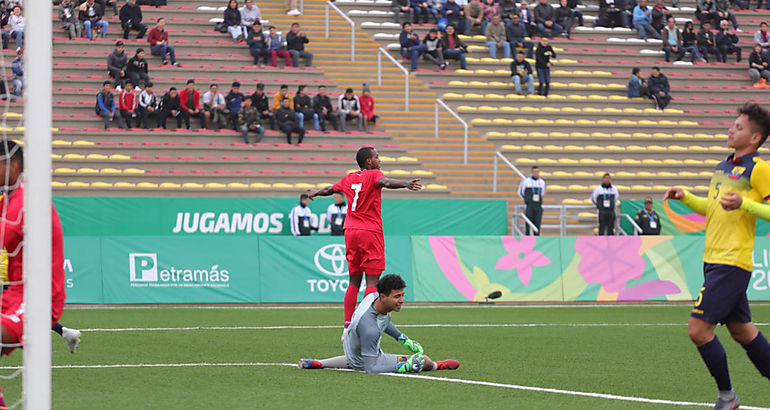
(314,269)
(677,219)
(151,269)
(83,269)
(159,216)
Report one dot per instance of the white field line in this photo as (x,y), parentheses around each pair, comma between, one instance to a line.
(410,376)
(427,325)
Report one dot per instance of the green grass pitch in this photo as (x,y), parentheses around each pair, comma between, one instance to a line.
(640,351)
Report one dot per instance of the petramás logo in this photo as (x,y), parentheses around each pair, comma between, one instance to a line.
(330,260)
(144,271)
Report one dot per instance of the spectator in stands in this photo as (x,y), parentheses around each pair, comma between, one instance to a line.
(106,107)
(117,62)
(637,86)
(528,18)
(15,28)
(543,65)
(68,20)
(605,197)
(433,51)
(277,48)
(233,101)
(762,37)
(127,103)
(627,6)
(576,13)
(401,6)
(172,107)
(288,121)
(301,219)
(336,213)
(367,107)
(190,103)
(727,42)
(303,105)
(491,9)
(724,13)
(248,120)
(453,47)
(455,15)
(91,15)
(295,42)
(508,9)
(283,92)
(323,110)
(159,46)
(531,190)
(474,14)
(707,42)
(17,68)
(131,19)
(521,72)
(706,10)
(611,14)
(250,14)
(516,34)
(659,88)
(496,38)
(349,108)
(262,104)
(436,9)
(408,39)
(149,106)
(136,68)
(642,21)
(647,219)
(660,15)
(214,108)
(545,16)
(292,8)
(564,17)
(232,20)
(421,7)
(759,68)
(689,42)
(257,42)
(672,40)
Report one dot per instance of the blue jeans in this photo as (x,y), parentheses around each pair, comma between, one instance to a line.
(301,117)
(456,54)
(18,86)
(579,15)
(530,83)
(544,80)
(493,49)
(415,52)
(161,50)
(525,44)
(101,23)
(19,34)
(641,28)
(556,27)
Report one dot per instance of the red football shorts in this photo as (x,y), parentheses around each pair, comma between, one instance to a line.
(13,323)
(365,251)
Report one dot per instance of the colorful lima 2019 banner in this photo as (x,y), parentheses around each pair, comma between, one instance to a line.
(263,269)
(678,219)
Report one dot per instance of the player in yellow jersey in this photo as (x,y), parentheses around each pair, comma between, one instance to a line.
(739,187)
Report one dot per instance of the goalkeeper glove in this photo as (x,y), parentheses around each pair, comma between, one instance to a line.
(411,345)
(413,364)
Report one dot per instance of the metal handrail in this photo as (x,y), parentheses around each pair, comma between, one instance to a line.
(510,164)
(454,114)
(637,228)
(531,224)
(382,51)
(352,28)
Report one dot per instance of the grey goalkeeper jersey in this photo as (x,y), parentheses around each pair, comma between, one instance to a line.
(362,342)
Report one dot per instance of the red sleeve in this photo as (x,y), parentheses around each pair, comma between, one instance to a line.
(153,38)
(183,99)
(197,102)
(338,186)
(376,175)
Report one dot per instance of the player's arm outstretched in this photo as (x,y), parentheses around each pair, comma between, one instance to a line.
(326,191)
(694,202)
(392,183)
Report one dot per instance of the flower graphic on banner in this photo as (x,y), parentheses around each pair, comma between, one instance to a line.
(521,256)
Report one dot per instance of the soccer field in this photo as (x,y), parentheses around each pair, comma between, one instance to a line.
(228,358)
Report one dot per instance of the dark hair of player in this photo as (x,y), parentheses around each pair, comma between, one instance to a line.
(362,155)
(10,148)
(389,283)
(759,118)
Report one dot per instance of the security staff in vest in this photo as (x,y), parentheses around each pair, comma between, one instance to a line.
(301,219)
(336,213)
(605,198)
(531,191)
(647,219)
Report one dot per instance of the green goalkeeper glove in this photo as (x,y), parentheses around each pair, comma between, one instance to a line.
(411,345)
(413,364)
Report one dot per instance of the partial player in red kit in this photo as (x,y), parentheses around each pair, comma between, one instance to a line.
(363,224)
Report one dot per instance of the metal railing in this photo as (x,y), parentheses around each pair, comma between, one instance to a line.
(454,114)
(637,228)
(352,28)
(495,171)
(382,52)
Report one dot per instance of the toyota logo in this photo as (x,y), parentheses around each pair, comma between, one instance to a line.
(331,260)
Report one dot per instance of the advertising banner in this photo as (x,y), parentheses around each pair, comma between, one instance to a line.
(676,218)
(83,269)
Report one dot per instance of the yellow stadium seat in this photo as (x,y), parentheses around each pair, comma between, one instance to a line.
(536,97)
(466,108)
(587,215)
(570,201)
(636,148)
(60,143)
(525,161)
(641,135)
(624,174)
(588,161)
(87,171)
(570,109)
(546,161)
(577,97)
(687,174)
(688,123)
(528,109)
(509,109)
(384,158)
(510,148)
(77,184)
(600,135)
(436,187)
(453,95)
(399,172)
(192,185)
(666,174)
(493,134)
(238,185)
(705,173)
(656,148)
(556,187)
(480,121)
(11,115)
(591,109)
(110,171)
(646,174)
(259,185)
(82,143)
(406,159)
(101,185)
(56,156)
(530,147)
(96,156)
(460,83)
(671,161)
(569,148)
(74,156)
(471,95)
(558,134)
(133,171)
(614,97)
(150,185)
(421,172)
(710,162)
(561,174)
(630,161)
(640,187)
(583,174)
(611,109)
(124,185)
(522,121)
(494,96)
(18,129)
(628,122)
(550,109)
(667,122)
(568,161)
(563,121)
(56,184)
(650,110)
(487,108)
(543,121)
(516,134)
(119,157)
(700,188)
(694,148)
(693,162)
(215,185)
(586,122)
(556,97)
(502,121)
(575,187)
(609,161)
(169,185)
(514,96)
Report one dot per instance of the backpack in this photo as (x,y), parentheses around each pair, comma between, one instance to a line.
(220,27)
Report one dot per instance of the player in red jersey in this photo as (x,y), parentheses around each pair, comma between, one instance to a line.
(364,242)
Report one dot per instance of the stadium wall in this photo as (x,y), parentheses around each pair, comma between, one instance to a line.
(281,269)
(678,219)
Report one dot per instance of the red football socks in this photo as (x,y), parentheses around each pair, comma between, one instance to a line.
(351,297)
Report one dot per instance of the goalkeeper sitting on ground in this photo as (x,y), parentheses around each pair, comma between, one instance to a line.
(362,340)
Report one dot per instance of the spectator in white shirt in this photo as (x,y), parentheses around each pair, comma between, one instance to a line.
(250,14)
(149,106)
(301,219)
(605,197)
(336,214)
(214,107)
(15,28)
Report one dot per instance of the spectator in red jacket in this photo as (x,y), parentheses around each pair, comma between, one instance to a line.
(367,107)
(190,100)
(159,46)
(127,103)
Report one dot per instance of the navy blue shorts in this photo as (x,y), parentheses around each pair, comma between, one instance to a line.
(722,297)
